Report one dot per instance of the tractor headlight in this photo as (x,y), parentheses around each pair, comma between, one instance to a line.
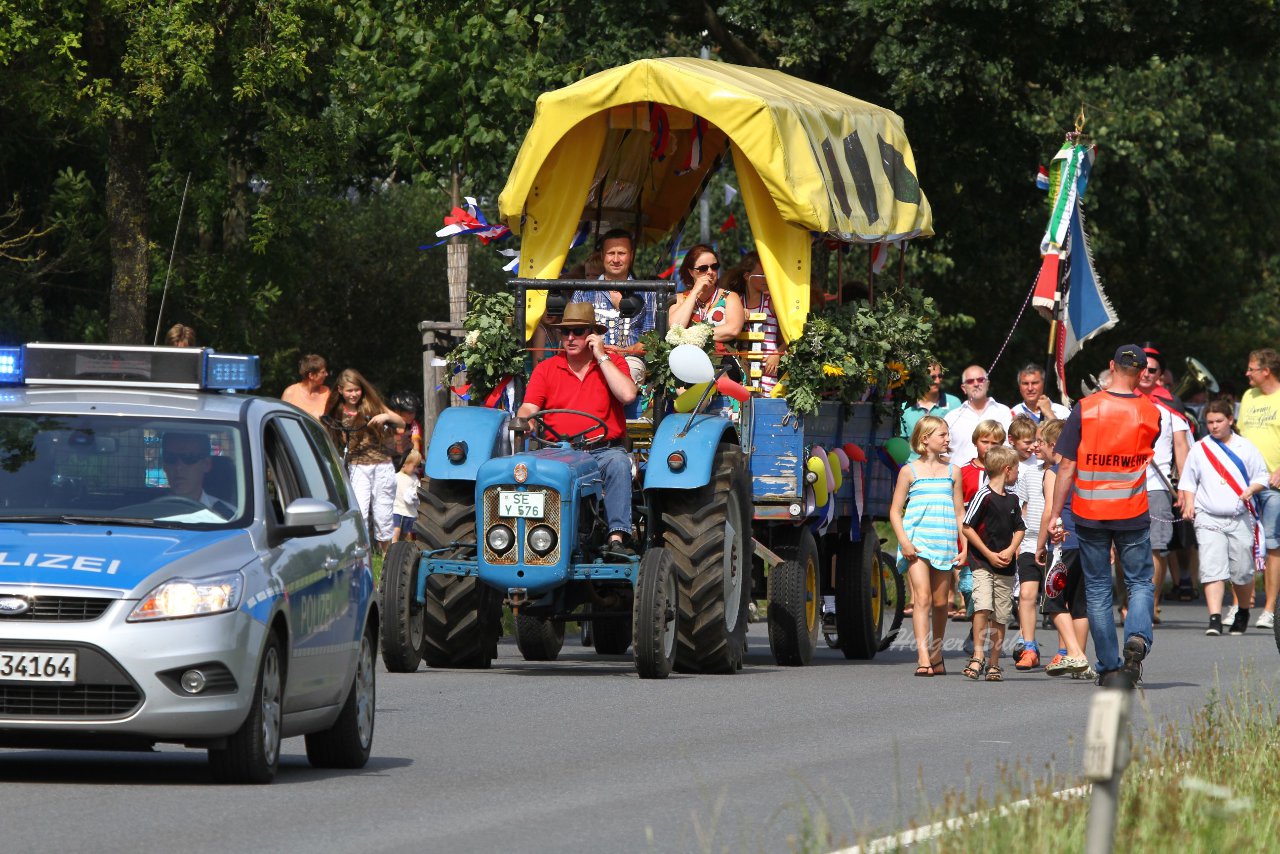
(542,539)
(500,539)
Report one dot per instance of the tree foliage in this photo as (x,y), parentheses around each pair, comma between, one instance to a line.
(323,140)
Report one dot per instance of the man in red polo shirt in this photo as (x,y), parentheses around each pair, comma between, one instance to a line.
(584,377)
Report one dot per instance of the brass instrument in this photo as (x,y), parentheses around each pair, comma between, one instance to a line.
(1196,378)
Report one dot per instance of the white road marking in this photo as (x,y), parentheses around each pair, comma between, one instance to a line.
(917,835)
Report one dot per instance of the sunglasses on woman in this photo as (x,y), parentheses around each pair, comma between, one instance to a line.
(702,268)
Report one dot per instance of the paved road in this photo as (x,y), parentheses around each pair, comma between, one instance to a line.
(581,755)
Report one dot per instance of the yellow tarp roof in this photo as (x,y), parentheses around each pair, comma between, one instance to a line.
(808,159)
(832,163)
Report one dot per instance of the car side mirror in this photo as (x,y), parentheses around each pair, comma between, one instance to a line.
(310,516)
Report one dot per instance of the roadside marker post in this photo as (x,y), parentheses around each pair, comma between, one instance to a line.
(1106,755)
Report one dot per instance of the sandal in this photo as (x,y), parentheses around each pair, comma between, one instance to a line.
(924,670)
(939,668)
(971,672)
(995,674)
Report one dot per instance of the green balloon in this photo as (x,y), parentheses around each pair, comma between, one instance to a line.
(898,449)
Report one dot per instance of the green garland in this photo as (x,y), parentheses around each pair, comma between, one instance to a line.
(489,352)
(861,352)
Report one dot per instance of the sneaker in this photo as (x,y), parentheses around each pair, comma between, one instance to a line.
(829,621)
(1266,620)
(1240,622)
(1088,673)
(1028,659)
(1215,626)
(1135,650)
(1063,666)
(1229,616)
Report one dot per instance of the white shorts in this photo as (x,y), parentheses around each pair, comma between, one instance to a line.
(1226,547)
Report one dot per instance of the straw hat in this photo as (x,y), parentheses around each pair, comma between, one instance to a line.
(579,314)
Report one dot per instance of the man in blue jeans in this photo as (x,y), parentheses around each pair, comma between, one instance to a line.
(585,378)
(1106,444)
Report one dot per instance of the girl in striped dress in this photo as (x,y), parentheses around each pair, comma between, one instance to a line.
(927,512)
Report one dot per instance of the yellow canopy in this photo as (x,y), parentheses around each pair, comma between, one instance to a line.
(808,159)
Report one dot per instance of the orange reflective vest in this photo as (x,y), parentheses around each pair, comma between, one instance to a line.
(1117,439)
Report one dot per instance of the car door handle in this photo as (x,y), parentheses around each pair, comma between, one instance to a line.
(330,564)
(360,552)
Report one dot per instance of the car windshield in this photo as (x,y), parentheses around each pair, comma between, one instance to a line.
(117,469)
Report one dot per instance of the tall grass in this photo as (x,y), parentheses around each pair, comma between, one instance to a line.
(1208,787)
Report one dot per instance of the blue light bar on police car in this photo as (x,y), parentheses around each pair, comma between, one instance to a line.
(10,365)
(128,367)
(231,372)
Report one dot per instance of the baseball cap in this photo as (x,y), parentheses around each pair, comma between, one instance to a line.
(1130,356)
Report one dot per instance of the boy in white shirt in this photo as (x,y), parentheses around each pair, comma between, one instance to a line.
(1223,473)
(404,512)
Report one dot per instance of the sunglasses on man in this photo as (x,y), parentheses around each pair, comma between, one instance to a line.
(577,331)
(974,381)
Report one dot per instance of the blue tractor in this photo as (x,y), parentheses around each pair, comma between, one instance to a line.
(525,528)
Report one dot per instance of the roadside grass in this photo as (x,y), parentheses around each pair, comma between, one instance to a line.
(1204,785)
(1208,787)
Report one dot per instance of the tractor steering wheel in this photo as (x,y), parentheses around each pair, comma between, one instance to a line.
(545,435)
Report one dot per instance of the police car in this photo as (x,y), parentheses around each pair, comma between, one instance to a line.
(178,563)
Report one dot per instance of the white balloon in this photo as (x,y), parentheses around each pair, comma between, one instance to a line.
(691,365)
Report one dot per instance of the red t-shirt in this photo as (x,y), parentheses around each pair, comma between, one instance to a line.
(555,386)
(973,476)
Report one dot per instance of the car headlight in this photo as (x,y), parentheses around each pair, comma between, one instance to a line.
(500,538)
(190,597)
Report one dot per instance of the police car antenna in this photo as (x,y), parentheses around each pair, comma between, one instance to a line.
(172,251)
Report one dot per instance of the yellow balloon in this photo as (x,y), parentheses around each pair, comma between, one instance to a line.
(819,468)
(835,469)
(689,398)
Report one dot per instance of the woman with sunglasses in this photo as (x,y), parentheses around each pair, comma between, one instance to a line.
(704,301)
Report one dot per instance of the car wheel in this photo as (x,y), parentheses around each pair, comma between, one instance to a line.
(252,753)
(348,742)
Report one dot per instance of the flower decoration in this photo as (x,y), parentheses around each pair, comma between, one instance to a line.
(858,352)
(657,348)
(489,351)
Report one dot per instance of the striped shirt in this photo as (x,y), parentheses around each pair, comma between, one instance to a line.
(619,331)
(1030,492)
(772,337)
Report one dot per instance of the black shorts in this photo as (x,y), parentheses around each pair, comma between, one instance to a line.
(1029,570)
(1063,588)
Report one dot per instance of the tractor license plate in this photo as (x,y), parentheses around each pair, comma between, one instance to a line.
(32,666)
(521,505)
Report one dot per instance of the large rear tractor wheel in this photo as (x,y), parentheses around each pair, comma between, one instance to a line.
(655,616)
(708,533)
(793,602)
(461,617)
(858,597)
(402,626)
(538,638)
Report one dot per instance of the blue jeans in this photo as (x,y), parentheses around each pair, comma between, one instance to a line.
(615,469)
(1134,551)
